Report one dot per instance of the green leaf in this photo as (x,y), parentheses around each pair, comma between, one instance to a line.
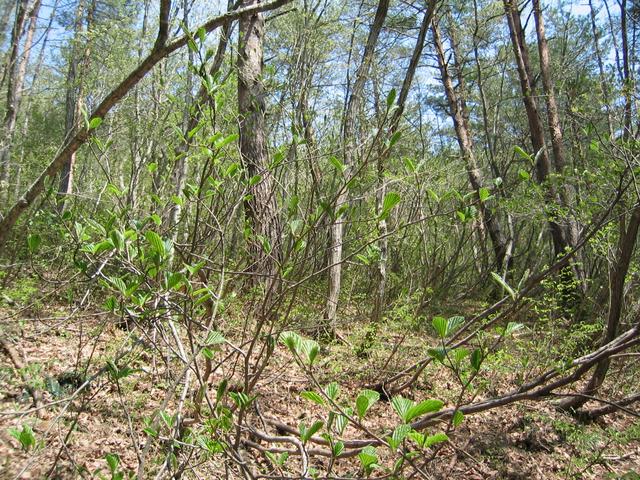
(500,281)
(226,141)
(33,242)
(459,354)
(25,436)
(337,448)
(296,226)
(434,439)
(484,194)
(312,396)
(458,417)
(118,283)
(368,457)
(341,422)
(332,390)
(391,98)
(113,461)
(522,153)
(255,180)
(337,163)
(156,243)
(398,436)
(365,401)
(426,406)
(524,175)
(402,406)
(214,338)
(391,199)
(440,325)
(512,327)
(95,123)
(454,323)
(438,354)
(307,433)
(310,349)
(292,340)
(394,139)
(476,359)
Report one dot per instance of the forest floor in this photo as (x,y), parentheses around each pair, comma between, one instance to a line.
(523,441)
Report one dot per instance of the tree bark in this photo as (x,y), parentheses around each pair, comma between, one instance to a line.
(555,130)
(379,300)
(261,208)
(459,115)
(78,65)
(16,72)
(354,104)
(543,165)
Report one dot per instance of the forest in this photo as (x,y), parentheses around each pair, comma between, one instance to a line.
(319,239)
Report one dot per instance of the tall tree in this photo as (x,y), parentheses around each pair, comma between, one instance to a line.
(261,208)
(536,129)
(16,68)
(459,114)
(78,65)
(350,147)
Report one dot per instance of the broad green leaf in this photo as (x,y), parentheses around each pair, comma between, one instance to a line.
(156,243)
(113,461)
(391,98)
(118,283)
(454,323)
(426,406)
(440,325)
(309,349)
(434,439)
(312,396)
(522,153)
(390,200)
(458,417)
(512,327)
(484,194)
(459,354)
(365,401)
(476,359)
(214,338)
(437,354)
(399,434)
(226,141)
(337,448)
(33,241)
(500,281)
(341,423)
(296,226)
(402,406)
(94,123)
(332,390)
(368,457)
(394,139)
(337,164)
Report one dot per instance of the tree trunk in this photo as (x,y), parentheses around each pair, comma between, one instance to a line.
(16,71)
(261,208)
(459,115)
(354,104)
(78,64)
(379,300)
(543,165)
(567,191)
